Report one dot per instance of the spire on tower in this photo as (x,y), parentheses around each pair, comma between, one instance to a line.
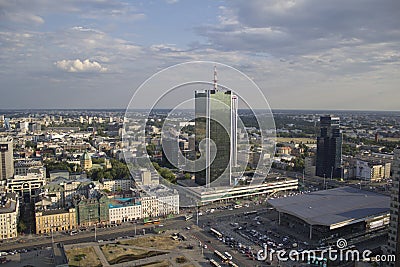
(215,78)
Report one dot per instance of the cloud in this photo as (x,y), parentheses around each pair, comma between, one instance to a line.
(171,1)
(291,27)
(80,66)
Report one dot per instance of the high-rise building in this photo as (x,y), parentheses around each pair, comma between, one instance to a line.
(214,121)
(329,148)
(6,158)
(393,247)
(234,141)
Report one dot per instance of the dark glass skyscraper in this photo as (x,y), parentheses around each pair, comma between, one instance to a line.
(329,148)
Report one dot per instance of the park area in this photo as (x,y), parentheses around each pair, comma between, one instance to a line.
(144,251)
(83,256)
(158,242)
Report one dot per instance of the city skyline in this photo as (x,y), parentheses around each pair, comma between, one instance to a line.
(303,55)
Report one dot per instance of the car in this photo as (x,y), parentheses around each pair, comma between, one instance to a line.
(205,246)
(187,228)
(100,241)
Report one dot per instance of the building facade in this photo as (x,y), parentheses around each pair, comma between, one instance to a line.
(93,211)
(118,185)
(6,158)
(372,172)
(329,148)
(26,184)
(48,221)
(124,210)
(393,247)
(9,213)
(22,167)
(149,206)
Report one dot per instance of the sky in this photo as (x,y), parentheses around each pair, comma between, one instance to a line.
(303,54)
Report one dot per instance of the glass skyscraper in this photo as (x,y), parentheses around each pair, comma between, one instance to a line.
(215,119)
(329,148)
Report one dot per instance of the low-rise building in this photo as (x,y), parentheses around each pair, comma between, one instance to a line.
(92,211)
(371,171)
(24,166)
(9,213)
(124,210)
(118,185)
(55,220)
(159,201)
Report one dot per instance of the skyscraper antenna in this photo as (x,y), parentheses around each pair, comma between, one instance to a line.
(215,78)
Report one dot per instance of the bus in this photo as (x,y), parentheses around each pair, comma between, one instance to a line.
(188,217)
(214,263)
(148,222)
(232,264)
(215,232)
(221,256)
(228,255)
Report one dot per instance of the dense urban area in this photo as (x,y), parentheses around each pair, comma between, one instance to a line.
(70,198)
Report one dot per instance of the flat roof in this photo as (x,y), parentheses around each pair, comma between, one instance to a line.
(334,207)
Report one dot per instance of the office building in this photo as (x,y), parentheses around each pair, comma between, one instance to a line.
(215,117)
(329,148)
(26,185)
(6,158)
(393,247)
(9,213)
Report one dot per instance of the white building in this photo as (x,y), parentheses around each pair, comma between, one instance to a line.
(9,212)
(118,185)
(124,213)
(370,171)
(26,183)
(150,206)
(22,167)
(160,201)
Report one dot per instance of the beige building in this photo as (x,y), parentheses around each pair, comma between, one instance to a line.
(9,213)
(48,221)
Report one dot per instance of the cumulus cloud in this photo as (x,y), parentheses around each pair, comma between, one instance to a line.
(80,66)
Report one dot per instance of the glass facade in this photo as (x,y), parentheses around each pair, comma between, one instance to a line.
(213,111)
(329,148)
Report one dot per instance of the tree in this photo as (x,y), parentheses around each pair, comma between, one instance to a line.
(21,227)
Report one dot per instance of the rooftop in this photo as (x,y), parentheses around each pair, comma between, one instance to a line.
(8,202)
(334,207)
